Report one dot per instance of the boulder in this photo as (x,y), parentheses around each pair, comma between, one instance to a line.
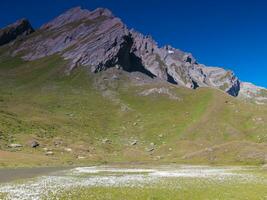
(134,142)
(68,149)
(15,146)
(34,144)
(49,153)
(150,149)
(47,149)
(106,141)
(158,158)
(58,142)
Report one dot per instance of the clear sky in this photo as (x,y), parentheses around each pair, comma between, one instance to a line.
(227,33)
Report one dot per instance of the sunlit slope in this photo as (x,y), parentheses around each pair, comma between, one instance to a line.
(108,117)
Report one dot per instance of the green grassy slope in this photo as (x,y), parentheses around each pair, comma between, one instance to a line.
(37,101)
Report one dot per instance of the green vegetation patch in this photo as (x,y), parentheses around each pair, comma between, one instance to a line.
(184,189)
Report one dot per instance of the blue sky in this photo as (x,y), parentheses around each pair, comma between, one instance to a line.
(231,34)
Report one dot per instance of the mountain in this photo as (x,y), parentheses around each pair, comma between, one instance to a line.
(85,86)
(20,28)
(98,40)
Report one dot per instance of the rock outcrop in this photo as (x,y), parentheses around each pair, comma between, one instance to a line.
(249,91)
(98,40)
(20,28)
(181,68)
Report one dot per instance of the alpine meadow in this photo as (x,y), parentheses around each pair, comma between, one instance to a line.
(92,109)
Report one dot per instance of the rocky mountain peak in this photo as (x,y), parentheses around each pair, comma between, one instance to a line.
(76,14)
(180,55)
(102,12)
(21,27)
(98,40)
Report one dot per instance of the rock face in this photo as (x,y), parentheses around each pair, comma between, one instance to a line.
(20,28)
(91,39)
(181,68)
(98,40)
(250,91)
